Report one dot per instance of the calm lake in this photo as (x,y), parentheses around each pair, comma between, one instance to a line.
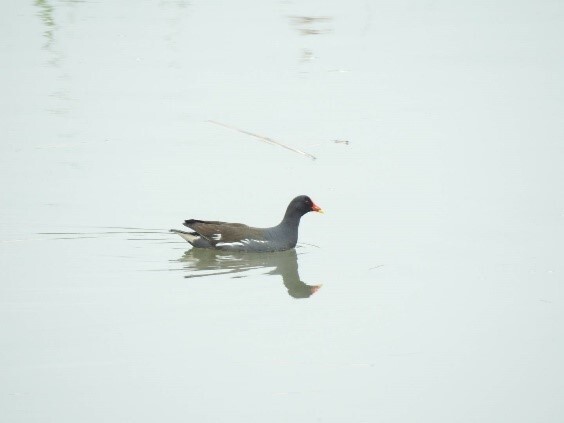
(431,133)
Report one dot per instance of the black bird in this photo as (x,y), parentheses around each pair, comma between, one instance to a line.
(239,237)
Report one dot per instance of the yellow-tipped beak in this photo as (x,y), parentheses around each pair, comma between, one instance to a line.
(316,208)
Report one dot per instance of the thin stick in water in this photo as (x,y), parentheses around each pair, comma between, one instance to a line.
(265,139)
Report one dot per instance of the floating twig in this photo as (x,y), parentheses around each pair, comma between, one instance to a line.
(265,139)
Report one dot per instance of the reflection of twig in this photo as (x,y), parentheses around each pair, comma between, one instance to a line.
(263,138)
(303,24)
(311,245)
(46,14)
(304,20)
(309,31)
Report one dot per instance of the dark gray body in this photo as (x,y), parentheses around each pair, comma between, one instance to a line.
(277,238)
(226,236)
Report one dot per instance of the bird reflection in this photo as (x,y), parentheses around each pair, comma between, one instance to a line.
(202,262)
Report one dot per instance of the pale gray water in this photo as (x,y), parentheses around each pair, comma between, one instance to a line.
(430,291)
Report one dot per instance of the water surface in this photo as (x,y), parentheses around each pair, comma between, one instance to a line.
(431,290)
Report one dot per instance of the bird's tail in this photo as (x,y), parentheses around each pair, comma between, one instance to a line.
(188,236)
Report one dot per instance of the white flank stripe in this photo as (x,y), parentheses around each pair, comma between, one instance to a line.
(228,244)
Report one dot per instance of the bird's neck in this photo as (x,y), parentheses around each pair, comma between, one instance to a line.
(291,218)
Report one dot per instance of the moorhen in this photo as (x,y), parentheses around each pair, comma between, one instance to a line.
(239,237)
